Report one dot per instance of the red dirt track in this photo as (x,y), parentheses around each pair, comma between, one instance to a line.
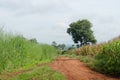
(73,69)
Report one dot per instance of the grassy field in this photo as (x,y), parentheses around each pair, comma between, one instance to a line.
(17,52)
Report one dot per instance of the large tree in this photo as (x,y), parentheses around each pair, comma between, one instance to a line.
(81,32)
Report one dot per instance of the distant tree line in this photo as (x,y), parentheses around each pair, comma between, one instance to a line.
(58,46)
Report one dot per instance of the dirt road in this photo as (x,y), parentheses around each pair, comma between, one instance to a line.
(73,69)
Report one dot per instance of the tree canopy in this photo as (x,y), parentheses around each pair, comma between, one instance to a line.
(81,32)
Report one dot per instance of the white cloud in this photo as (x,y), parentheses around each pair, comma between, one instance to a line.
(47,20)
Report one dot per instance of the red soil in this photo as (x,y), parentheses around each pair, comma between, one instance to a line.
(73,69)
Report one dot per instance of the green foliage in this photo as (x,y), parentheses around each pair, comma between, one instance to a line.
(81,32)
(42,73)
(108,61)
(16,52)
(88,59)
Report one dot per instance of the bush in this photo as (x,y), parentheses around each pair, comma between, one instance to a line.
(108,61)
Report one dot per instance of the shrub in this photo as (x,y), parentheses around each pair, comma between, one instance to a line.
(108,61)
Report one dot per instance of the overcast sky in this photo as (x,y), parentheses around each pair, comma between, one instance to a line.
(48,20)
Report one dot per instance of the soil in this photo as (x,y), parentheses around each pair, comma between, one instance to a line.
(73,69)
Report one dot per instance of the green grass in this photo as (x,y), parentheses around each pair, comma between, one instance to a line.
(17,52)
(89,60)
(38,73)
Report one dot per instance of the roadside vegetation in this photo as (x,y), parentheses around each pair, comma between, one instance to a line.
(17,52)
(108,60)
(37,73)
(104,57)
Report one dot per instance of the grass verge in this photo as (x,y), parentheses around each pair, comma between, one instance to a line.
(104,58)
(38,73)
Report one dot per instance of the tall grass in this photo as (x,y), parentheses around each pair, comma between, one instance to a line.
(88,50)
(16,52)
(108,60)
(104,57)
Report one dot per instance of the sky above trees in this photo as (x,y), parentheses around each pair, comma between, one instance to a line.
(48,20)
